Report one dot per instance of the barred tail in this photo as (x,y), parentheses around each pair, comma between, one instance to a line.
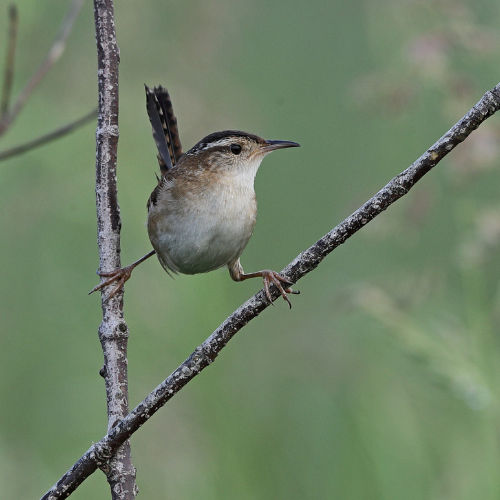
(164,124)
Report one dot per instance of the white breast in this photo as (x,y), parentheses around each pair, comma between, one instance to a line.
(199,235)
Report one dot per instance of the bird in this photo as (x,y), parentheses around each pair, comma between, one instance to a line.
(203,210)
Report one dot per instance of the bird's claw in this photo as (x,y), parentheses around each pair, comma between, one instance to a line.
(119,275)
(276,278)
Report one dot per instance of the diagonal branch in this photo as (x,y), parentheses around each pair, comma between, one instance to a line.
(9,60)
(304,263)
(51,58)
(51,136)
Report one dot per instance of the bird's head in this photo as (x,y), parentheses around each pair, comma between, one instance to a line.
(233,151)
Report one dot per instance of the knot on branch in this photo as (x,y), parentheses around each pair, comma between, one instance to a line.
(118,331)
(494,96)
(100,454)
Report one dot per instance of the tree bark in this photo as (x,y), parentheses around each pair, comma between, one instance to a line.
(113,331)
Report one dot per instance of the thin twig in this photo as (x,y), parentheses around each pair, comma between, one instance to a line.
(51,136)
(51,58)
(304,263)
(9,60)
(113,331)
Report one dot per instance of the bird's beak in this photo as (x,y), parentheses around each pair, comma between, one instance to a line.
(272,145)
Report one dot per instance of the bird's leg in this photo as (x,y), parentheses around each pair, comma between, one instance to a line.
(119,275)
(268,276)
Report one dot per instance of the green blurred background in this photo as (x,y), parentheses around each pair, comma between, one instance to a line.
(382,382)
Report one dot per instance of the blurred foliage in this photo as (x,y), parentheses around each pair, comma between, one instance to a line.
(382,382)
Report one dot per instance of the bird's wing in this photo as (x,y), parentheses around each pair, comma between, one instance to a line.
(164,124)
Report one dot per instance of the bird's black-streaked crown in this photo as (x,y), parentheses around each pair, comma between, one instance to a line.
(211,140)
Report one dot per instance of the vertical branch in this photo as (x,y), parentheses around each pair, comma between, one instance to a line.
(113,331)
(9,60)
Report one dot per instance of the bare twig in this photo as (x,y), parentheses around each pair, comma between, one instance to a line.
(9,60)
(113,331)
(51,136)
(304,263)
(51,58)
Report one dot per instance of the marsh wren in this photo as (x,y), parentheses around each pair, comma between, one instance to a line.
(203,210)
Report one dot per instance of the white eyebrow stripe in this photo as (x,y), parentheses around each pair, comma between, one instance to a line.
(221,142)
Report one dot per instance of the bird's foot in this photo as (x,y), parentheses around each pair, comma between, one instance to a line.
(120,276)
(269,277)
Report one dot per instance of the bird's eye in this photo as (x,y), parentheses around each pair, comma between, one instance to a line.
(235,149)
